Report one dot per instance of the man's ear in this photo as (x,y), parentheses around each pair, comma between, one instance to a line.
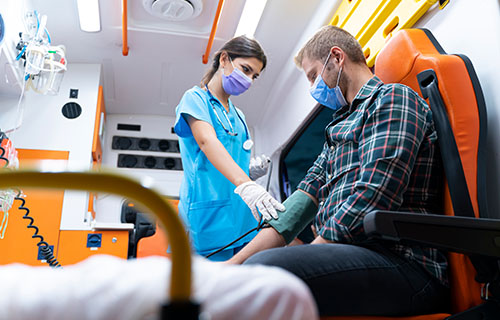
(337,54)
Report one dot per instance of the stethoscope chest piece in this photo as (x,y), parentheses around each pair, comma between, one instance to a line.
(248,144)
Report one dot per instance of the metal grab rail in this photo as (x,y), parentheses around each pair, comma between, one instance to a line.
(212,33)
(180,285)
(124,28)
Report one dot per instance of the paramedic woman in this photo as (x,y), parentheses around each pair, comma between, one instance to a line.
(217,196)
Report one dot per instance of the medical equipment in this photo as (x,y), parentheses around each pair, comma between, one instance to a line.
(8,156)
(39,65)
(248,144)
(45,64)
(300,211)
(44,248)
(6,200)
(261,225)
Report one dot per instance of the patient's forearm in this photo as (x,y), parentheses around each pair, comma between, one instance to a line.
(300,210)
(266,239)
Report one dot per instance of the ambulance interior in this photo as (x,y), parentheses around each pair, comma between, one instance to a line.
(107,98)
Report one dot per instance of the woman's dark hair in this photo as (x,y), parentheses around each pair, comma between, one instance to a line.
(237,47)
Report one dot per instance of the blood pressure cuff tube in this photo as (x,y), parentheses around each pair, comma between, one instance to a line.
(300,210)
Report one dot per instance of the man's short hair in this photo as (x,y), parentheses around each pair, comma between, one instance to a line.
(324,39)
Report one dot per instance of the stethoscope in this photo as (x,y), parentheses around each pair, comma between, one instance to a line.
(248,144)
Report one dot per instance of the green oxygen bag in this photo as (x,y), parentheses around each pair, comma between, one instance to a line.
(300,210)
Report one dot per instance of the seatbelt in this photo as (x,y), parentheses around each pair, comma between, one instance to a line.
(487,268)
(460,197)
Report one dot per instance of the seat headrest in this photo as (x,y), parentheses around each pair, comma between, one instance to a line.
(397,58)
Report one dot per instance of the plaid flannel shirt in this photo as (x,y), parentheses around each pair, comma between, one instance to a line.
(380,154)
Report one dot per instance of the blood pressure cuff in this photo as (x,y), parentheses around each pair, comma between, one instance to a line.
(300,210)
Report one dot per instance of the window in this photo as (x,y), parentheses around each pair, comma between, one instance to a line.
(301,152)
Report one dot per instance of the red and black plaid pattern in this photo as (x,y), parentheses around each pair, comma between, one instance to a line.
(380,154)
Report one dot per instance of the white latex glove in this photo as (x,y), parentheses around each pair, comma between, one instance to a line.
(259,166)
(259,200)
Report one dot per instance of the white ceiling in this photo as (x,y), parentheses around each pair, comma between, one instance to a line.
(165,58)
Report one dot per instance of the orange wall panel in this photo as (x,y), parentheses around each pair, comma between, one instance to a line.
(45,208)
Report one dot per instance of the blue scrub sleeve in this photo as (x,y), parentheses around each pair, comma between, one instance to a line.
(194,105)
(300,210)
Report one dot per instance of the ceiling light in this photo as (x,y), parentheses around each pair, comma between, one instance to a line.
(88,12)
(250,17)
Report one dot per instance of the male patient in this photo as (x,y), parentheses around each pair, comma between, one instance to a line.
(380,154)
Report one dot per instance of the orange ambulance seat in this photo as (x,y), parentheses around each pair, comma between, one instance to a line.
(405,55)
(156,245)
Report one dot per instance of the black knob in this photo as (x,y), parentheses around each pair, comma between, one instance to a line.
(144,144)
(169,163)
(150,162)
(164,145)
(129,161)
(123,143)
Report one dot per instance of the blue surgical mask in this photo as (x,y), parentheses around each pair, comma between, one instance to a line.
(329,97)
(236,83)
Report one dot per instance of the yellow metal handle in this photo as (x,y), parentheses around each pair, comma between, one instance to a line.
(180,285)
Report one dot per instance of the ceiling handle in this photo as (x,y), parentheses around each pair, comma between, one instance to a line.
(212,33)
(124,28)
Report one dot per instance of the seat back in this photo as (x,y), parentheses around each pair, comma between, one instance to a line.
(157,244)
(409,53)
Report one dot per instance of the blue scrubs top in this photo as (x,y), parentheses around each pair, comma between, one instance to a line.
(213,213)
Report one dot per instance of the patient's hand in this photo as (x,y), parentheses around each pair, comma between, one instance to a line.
(295,242)
(313,229)
(320,239)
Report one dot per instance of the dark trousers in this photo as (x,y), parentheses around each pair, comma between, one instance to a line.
(354,280)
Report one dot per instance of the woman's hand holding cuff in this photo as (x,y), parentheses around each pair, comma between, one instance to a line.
(259,200)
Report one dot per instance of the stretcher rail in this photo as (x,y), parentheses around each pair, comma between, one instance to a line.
(108,182)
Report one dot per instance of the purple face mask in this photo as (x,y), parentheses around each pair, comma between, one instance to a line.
(236,83)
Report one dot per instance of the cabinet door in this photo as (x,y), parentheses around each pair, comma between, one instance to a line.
(100,119)
(77,245)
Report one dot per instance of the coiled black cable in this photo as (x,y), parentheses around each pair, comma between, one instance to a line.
(47,253)
(3,158)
